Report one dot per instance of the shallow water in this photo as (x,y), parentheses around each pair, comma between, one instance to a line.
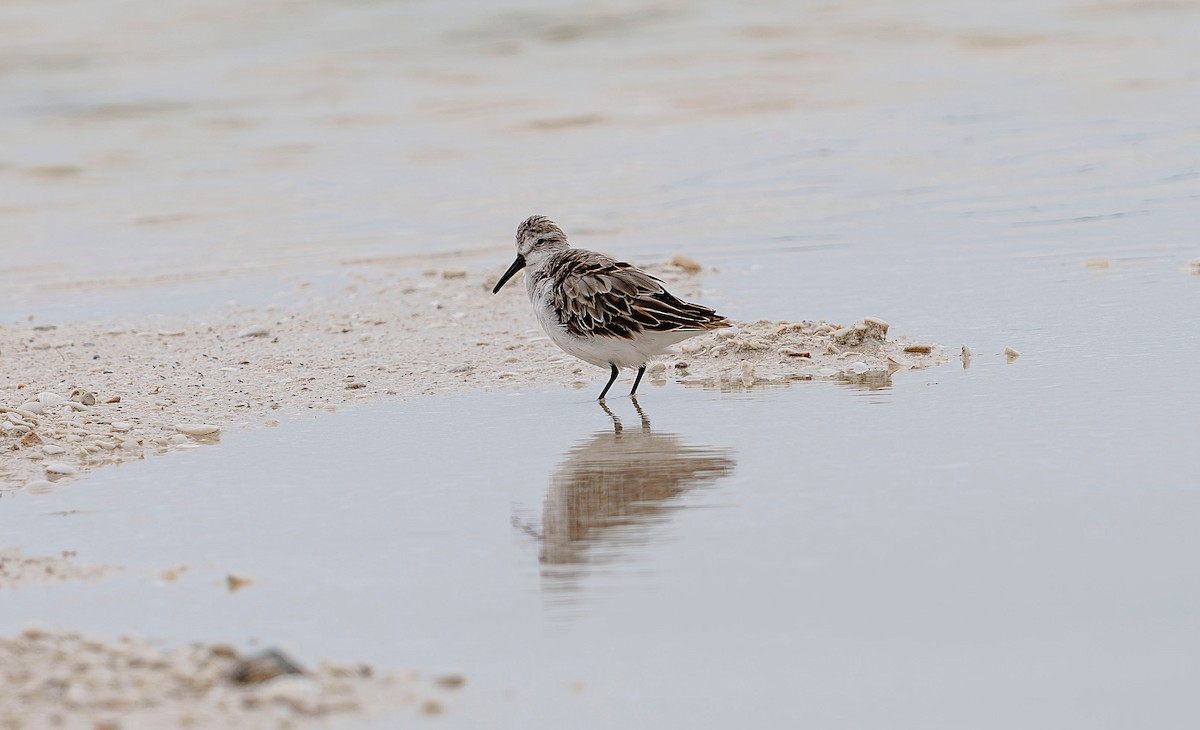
(897,556)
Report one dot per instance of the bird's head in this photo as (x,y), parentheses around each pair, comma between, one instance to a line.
(537,239)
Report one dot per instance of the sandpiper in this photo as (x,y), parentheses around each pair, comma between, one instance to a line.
(602,311)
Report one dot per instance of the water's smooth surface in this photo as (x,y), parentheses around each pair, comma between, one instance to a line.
(1006,546)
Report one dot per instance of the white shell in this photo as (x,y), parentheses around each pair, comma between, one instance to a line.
(197,429)
(51,399)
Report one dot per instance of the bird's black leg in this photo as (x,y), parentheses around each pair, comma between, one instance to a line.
(638,379)
(611,380)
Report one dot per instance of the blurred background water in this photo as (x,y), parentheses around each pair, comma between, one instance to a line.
(195,152)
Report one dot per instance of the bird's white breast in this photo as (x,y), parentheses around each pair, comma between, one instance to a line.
(598,350)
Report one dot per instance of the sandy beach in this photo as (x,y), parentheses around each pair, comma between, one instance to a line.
(172,385)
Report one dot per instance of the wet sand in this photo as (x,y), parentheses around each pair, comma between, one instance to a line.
(154,388)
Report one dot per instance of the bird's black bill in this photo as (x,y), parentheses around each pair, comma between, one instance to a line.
(516,266)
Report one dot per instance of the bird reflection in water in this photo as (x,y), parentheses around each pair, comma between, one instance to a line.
(610,490)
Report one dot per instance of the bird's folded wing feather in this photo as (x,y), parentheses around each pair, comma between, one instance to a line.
(598,295)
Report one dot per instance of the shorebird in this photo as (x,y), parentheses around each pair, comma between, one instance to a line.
(603,311)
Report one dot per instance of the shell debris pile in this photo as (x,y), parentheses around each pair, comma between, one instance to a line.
(56,678)
(767,353)
(18,570)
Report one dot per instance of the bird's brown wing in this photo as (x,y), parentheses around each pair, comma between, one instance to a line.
(596,295)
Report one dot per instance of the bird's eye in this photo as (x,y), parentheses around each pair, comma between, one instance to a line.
(539,242)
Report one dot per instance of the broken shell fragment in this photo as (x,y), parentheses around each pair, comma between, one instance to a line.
(197,429)
(687,263)
(86,397)
(254,331)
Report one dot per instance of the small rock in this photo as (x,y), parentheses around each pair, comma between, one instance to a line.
(121,426)
(922,349)
(255,331)
(461,368)
(114,399)
(355,386)
(52,450)
(1010,354)
(32,406)
(656,368)
(171,333)
(875,323)
(57,467)
(263,667)
(454,274)
(687,263)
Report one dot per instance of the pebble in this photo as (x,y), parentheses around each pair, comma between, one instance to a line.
(922,349)
(450,681)
(1011,354)
(461,368)
(32,407)
(454,274)
(263,667)
(197,429)
(237,582)
(121,425)
(57,467)
(52,450)
(657,368)
(254,331)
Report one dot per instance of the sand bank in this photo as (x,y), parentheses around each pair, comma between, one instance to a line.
(55,678)
(79,395)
